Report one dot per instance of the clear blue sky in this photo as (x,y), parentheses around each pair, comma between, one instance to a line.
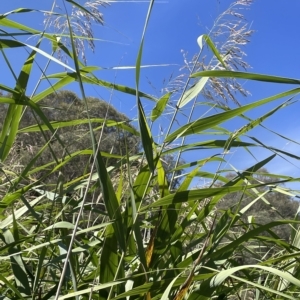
(174,26)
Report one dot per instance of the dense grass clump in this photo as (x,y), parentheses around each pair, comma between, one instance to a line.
(94,207)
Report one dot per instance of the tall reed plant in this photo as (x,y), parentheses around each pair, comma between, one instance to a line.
(150,241)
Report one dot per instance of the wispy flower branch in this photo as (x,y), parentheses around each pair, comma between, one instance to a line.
(81,24)
(230,33)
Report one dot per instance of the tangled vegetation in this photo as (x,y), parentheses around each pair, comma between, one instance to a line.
(93,208)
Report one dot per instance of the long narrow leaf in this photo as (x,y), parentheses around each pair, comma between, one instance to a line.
(245,75)
(208,122)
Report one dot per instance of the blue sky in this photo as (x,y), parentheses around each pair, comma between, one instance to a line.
(175,25)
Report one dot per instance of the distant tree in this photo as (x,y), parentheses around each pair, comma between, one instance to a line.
(285,206)
(64,106)
(280,207)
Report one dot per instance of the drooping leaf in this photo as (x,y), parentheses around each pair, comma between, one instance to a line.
(160,106)
(216,119)
(63,224)
(192,92)
(212,47)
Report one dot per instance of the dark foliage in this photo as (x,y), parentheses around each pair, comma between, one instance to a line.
(66,106)
(273,206)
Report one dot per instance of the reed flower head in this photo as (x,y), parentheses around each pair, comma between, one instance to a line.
(81,21)
(230,33)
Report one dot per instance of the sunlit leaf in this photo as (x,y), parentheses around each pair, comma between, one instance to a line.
(245,75)
(160,106)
